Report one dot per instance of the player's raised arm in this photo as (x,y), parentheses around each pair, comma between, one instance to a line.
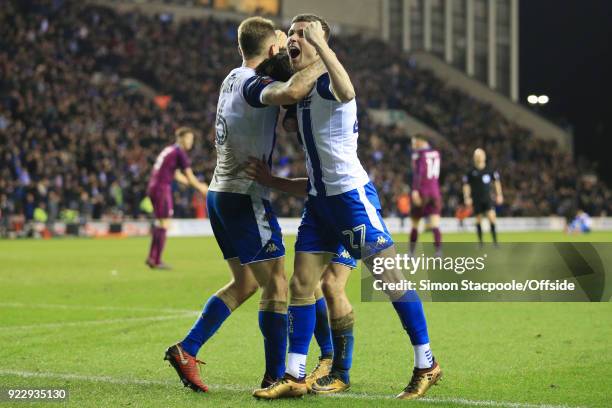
(294,90)
(259,171)
(341,84)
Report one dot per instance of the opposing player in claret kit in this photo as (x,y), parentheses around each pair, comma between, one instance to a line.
(426,197)
(477,193)
(241,217)
(342,209)
(171,164)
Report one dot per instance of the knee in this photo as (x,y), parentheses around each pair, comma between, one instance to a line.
(248,289)
(331,286)
(300,286)
(243,289)
(277,284)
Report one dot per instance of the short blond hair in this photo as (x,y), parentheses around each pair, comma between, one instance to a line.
(182,131)
(252,34)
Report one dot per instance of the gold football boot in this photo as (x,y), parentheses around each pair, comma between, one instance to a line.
(322,369)
(421,381)
(287,387)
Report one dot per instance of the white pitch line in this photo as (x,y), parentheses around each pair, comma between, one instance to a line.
(456,401)
(95,322)
(90,307)
(238,388)
(113,380)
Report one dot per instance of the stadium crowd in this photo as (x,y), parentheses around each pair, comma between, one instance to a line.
(77,138)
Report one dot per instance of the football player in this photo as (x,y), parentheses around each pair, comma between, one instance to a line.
(171,164)
(342,209)
(241,217)
(426,198)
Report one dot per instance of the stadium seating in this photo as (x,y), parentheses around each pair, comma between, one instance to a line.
(74,135)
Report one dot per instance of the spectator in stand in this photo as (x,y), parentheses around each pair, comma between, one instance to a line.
(71,122)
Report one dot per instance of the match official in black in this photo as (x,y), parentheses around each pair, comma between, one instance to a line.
(477,192)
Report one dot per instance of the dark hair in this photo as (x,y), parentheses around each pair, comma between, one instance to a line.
(309,18)
(277,67)
(252,33)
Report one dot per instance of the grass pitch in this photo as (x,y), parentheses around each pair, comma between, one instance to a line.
(88,315)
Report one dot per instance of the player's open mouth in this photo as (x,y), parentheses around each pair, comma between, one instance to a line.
(294,52)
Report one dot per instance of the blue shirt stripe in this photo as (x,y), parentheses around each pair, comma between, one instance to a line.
(311,148)
(273,145)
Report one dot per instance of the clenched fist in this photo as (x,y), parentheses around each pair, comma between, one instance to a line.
(314,34)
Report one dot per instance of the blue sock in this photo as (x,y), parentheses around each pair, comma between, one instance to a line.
(214,314)
(343,353)
(410,311)
(301,328)
(273,327)
(322,331)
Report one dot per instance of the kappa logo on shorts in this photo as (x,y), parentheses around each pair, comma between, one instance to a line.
(271,247)
(344,254)
(381,240)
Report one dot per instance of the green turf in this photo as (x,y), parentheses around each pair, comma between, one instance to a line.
(533,353)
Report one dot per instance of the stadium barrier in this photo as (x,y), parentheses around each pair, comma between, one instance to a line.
(201,227)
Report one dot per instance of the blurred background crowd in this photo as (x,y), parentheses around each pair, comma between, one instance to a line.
(88,98)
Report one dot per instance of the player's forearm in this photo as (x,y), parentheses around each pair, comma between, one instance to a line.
(294,90)
(180,177)
(302,82)
(339,78)
(467,193)
(193,181)
(498,189)
(296,186)
(416,182)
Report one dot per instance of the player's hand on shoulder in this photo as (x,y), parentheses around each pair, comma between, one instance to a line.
(281,39)
(314,34)
(258,170)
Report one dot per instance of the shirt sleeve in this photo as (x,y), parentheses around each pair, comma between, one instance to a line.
(324,87)
(182,160)
(253,89)
(466,179)
(496,175)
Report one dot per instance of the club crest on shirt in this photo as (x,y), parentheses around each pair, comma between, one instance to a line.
(220,130)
